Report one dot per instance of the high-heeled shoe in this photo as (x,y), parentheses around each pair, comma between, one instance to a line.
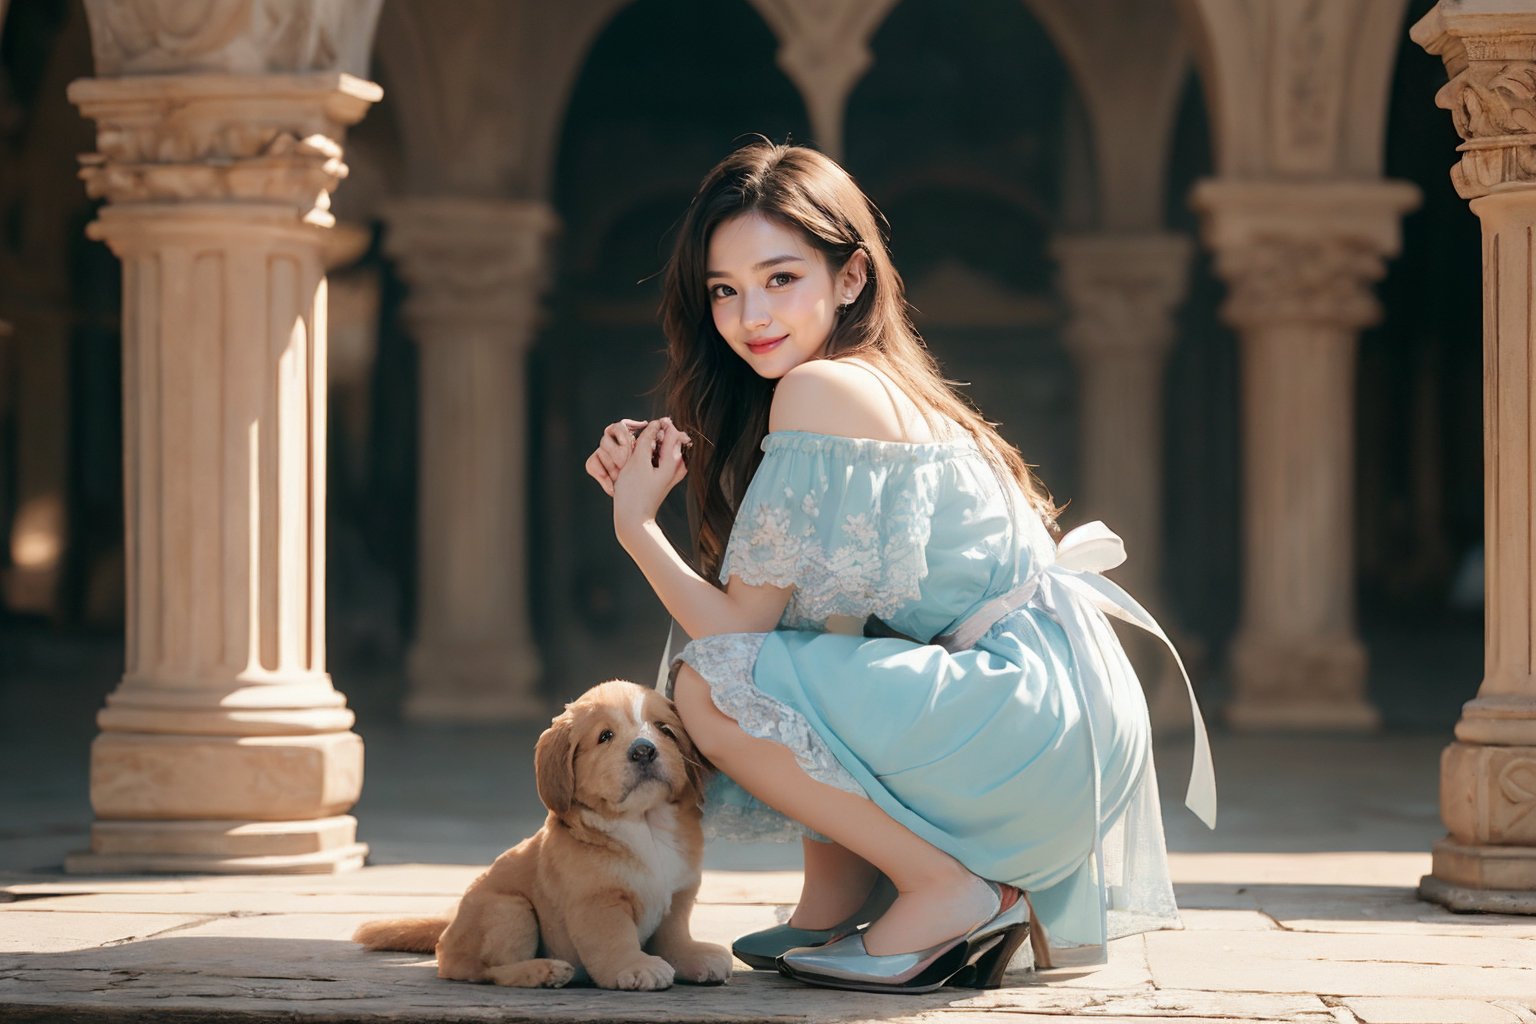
(761,950)
(976,959)
(987,971)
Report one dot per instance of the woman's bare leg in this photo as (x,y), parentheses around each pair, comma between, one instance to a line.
(837,882)
(937,897)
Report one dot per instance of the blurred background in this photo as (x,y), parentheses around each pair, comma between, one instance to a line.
(985,130)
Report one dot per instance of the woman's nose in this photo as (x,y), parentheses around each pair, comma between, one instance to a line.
(754,310)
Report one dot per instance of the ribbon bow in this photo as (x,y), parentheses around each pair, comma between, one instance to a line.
(1082,557)
(1092,547)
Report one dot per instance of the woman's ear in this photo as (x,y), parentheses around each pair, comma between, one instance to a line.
(853,277)
(554,765)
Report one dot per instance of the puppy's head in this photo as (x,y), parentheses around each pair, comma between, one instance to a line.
(619,749)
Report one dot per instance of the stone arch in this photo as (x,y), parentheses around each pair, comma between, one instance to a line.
(1335,62)
(464,75)
(628,162)
(1128,64)
(953,133)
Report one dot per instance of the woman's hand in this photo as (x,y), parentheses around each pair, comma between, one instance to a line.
(617,446)
(641,486)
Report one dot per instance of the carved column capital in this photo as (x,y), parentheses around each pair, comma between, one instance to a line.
(1302,252)
(1490,58)
(273,140)
(1121,290)
(472,263)
(240,37)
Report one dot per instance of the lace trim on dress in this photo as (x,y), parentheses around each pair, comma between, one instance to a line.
(867,562)
(725,661)
(732,813)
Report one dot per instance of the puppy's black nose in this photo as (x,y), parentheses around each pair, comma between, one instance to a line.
(642,751)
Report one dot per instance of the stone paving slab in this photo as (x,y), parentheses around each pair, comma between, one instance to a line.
(26,932)
(1229,920)
(238,950)
(218,903)
(1434,1011)
(404,879)
(1317,937)
(1479,967)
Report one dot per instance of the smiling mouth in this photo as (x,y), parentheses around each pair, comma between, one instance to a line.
(759,347)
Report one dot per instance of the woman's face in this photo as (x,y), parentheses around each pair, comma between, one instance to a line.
(773,296)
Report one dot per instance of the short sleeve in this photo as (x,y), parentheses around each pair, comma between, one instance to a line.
(845,521)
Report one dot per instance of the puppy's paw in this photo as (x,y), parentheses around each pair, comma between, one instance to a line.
(644,974)
(532,974)
(702,963)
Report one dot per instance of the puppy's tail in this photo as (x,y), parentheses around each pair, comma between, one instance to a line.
(406,934)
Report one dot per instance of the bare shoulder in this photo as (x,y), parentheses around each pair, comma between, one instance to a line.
(829,396)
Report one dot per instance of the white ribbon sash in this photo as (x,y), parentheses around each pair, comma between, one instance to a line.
(1082,557)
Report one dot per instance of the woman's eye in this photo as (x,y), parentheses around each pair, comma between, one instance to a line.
(781,278)
(605,736)
(721,291)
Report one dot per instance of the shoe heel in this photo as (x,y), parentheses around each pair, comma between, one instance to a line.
(987,971)
(1039,942)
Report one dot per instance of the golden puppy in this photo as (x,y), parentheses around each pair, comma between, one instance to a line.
(606,887)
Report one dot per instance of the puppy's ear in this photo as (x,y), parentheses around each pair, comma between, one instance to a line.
(694,765)
(554,765)
(697,768)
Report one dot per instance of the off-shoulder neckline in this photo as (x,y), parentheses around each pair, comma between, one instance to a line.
(810,438)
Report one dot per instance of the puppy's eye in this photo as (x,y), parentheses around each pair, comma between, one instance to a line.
(605,736)
(666,730)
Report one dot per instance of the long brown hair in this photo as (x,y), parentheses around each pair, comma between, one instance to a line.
(720,401)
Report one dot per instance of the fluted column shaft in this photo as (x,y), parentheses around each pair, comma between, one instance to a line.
(1122,290)
(1299,260)
(225,748)
(1488,776)
(476,271)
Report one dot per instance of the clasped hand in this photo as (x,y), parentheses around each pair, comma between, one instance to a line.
(638,485)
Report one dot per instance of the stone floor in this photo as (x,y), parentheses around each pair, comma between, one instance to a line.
(1300,907)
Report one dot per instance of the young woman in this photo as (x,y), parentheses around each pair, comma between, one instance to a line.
(899,664)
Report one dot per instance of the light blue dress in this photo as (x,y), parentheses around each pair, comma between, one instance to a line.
(1022,750)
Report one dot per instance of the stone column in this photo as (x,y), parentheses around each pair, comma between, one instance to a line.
(824,50)
(476,269)
(1299,260)
(1488,775)
(1122,290)
(225,748)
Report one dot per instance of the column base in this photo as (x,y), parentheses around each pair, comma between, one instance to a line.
(454,685)
(320,846)
(1300,685)
(1490,879)
(168,778)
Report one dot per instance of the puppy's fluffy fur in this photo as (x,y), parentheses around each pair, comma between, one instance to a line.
(606,887)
